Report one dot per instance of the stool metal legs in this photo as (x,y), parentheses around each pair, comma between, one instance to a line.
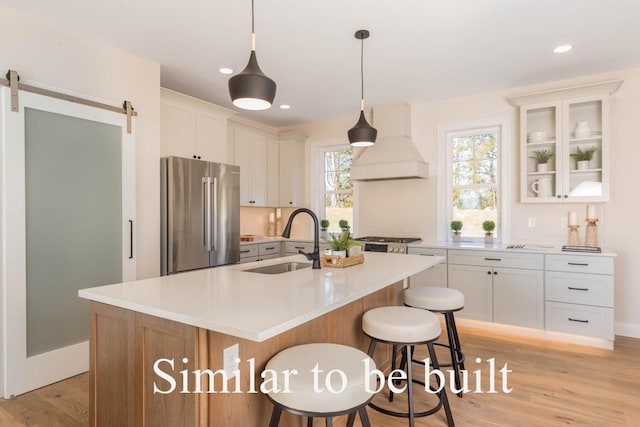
(457,356)
(406,362)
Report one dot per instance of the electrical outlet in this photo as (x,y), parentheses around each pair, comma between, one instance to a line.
(532,222)
(230,360)
(564,222)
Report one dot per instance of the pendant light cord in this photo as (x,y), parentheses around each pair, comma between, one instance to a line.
(361,74)
(253,32)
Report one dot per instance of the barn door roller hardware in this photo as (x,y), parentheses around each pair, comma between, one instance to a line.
(13,81)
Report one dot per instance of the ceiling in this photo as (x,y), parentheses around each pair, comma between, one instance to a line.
(419,50)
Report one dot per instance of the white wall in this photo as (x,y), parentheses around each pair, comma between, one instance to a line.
(72,63)
(410,207)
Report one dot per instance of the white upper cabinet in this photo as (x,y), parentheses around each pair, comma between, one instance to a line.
(570,126)
(193,128)
(292,169)
(256,151)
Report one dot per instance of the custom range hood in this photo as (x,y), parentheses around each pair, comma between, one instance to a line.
(393,156)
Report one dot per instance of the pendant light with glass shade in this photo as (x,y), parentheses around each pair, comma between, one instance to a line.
(252,89)
(362,134)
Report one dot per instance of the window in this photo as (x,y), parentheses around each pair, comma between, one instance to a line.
(337,187)
(474,180)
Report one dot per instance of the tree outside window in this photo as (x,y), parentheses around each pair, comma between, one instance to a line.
(474,179)
(338,187)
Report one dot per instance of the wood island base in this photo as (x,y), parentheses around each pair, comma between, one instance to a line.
(125,345)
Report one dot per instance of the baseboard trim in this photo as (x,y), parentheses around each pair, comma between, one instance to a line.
(627,329)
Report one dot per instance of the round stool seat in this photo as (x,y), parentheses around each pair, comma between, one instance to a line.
(302,396)
(401,324)
(434,298)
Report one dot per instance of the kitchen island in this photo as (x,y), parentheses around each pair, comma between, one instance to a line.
(190,318)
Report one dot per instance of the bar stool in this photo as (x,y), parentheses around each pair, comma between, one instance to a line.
(311,399)
(407,327)
(445,301)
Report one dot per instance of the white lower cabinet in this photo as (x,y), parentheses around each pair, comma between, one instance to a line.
(477,287)
(513,296)
(292,247)
(518,297)
(579,295)
(434,276)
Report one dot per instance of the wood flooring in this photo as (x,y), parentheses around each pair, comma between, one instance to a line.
(553,385)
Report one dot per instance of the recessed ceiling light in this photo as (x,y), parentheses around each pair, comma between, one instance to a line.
(225,70)
(563,48)
(285,106)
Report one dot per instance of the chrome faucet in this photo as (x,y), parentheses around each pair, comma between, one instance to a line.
(315,255)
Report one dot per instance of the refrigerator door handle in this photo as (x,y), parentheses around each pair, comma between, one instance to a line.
(206,181)
(215,213)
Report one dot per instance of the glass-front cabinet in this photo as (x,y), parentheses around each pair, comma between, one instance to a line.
(564,141)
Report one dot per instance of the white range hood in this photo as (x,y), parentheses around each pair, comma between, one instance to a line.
(393,156)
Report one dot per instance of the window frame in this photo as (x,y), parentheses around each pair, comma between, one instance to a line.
(318,178)
(445,189)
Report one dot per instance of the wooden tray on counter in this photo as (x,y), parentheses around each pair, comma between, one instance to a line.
(328,261)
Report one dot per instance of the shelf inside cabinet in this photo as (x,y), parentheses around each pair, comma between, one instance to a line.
(534,144)
(541,173)
(597,136)
(585,170)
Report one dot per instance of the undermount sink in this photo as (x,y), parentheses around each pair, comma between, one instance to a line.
(280,268)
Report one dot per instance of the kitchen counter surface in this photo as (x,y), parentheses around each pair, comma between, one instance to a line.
(528,248)
(258,306)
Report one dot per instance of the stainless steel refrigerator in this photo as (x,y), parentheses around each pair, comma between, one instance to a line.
(200,214)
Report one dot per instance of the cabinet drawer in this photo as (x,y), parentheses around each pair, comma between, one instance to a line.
(248,251)
(580,319)
(579,288)
(496,259)
(428,252)
(248,259)
(294,247)
(269,248)
(580,264)
(272,256)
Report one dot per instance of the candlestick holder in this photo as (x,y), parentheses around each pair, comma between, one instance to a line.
(272,229)
(278,227)
(591,238)
(574,236)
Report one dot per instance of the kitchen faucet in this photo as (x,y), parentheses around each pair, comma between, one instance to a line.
(315,255)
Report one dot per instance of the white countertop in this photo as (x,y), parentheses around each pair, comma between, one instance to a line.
(258,306)
(528,247)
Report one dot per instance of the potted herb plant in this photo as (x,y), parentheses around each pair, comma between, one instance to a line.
(488,227)
(542,158)
(341,243)
(456,226)
(324,227)
(344,225)
(583,157)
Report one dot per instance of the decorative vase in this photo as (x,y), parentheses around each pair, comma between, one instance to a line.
(582,130)
(354,251)
(456,237)
(488,238)
(582,164)
(542,167)
(341,254)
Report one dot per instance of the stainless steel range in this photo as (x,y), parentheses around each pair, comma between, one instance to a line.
(396,245)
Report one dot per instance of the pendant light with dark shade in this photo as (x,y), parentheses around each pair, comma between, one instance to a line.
(252,89)
(362,134)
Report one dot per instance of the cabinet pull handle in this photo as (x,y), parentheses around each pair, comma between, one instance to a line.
(495,273)
(246,251)
(270,248)
(577,320)
(299,247)
(493,259)
(577,289)
(427,254)
(130,239)
(580,264)
(488,272)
